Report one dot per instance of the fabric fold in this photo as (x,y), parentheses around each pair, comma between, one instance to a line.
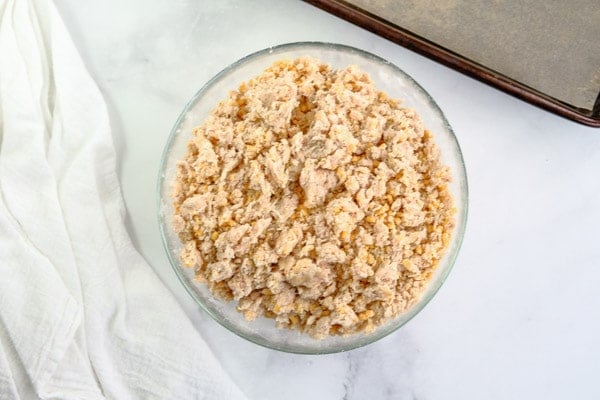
(98,321)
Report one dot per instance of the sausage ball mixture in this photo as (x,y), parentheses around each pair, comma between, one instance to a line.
(310,197)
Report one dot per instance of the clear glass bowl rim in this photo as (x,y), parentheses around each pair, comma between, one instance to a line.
(461,218)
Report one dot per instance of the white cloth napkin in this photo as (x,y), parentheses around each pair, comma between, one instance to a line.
(82,316)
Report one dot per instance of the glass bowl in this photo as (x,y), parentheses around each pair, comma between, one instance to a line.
(387,77)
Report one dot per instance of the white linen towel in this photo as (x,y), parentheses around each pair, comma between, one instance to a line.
(82,316)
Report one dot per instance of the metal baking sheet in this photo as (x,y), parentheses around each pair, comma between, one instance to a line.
(545,52)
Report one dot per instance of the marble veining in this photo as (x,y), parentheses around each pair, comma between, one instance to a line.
(518,316)
(350,376)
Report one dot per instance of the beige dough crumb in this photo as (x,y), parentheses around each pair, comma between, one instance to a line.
(310,197)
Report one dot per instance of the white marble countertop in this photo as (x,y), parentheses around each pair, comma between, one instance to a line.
(519,316)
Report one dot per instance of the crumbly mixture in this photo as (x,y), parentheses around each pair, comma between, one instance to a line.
(310,197)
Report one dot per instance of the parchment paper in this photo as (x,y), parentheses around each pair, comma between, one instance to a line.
(551,46)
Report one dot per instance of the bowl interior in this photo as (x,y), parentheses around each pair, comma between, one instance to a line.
(387,77)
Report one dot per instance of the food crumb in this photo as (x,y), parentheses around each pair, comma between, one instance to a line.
(310,197)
